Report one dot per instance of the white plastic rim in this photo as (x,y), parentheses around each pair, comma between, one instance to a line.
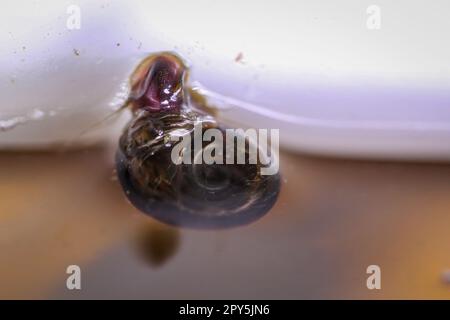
(313,69)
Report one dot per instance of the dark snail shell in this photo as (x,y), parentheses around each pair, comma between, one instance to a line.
(192,195)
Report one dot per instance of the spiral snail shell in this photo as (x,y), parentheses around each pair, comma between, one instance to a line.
(197,195)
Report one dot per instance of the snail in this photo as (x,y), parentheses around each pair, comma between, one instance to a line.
(191,194)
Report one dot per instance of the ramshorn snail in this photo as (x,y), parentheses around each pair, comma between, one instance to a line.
(192,194)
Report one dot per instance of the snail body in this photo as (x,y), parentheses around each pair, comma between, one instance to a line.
(190,193)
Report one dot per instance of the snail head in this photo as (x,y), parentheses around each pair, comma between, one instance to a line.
(157,85)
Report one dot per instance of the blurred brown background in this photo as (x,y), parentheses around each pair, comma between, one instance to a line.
(334,217)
